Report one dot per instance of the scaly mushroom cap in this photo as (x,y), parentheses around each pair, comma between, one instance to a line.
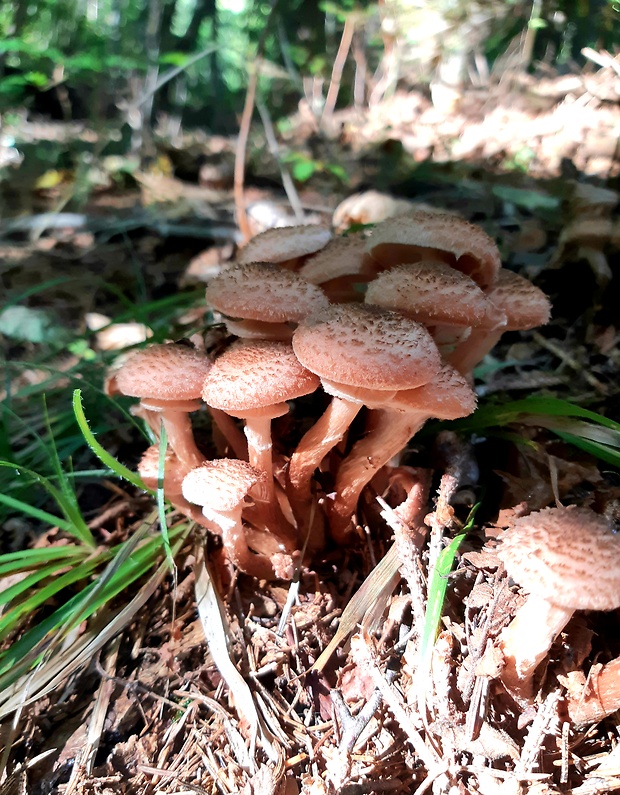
(221,484)
(569,556)
(525,305)
(163,372)
(447,396)
(285,243)
(416,236)
(366,346)
(254,375)
(342,256)
(434,293)
(262,291)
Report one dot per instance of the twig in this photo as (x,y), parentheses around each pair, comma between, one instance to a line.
(244,131)
(339,62)
(272,143)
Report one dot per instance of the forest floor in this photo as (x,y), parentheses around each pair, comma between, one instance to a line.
(99,254)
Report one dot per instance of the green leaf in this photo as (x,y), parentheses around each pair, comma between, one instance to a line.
(303,170)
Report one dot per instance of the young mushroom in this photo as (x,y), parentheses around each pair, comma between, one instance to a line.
(263,299)
(524,305)
(221,488)
(437,236)
(168,380)
(253,381)
(566,559)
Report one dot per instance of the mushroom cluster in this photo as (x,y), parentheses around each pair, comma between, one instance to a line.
(381,331)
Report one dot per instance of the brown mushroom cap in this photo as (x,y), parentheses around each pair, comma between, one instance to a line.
(285,243)
(432,292)
(525,305)
(262,291)
(569,556)
(221,484)
(416,236)
(164,372)
(446,396)
(257,374)
(342,256)
(366,346)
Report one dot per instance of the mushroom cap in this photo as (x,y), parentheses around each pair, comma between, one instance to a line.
(470,249)
(253,375)
(263,291)
(432,292)
(568,556)
(284,243)
(342,256)
(366,346)
(164,372)
(525,305)
(447,396)
(221,484)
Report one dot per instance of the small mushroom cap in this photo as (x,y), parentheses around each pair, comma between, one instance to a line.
(262,291)
(253,375)
(568,556)
(221,484)
(342,256)
(163,372)
(447,396)
(366,346)
(285,243)
(469,248)
(432,292)
(525,305)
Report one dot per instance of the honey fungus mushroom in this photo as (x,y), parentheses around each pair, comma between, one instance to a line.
(220,487)
(362,353)
(438,236)
(566,559)
(168,380)
(287,246)
(260,299)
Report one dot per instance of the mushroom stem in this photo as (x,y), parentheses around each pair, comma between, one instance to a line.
(472,351)
(231,433)
(180,437)
(260,451)
(324,435)
(236,546)
(391,432)
(600,696)
(527,639)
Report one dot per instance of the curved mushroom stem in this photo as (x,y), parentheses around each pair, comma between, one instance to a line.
(391,432)
(181,437)
(600,696)
(231,433)
(324,435)
(236,545)
(260,453)
(527,639)
(472,351)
